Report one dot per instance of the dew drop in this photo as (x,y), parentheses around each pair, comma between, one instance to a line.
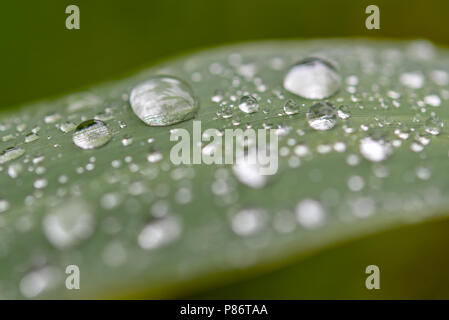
(322,116)
(374,150)
(248,221)
(313,78)
(248,170)
(163,100)
(248,104)
(4,205)
(52,118)
(31,137)
(310,213)
(91,134)
(159,233)
(413,80)
(433,125)
(11,154)
(68,225)
(67,127)
(432,100)
(344,112)
(291,107)
(38,281)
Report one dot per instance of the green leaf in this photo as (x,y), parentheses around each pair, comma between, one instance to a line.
(108,195)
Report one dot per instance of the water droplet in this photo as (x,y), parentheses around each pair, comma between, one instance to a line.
(310,213)
(356,183)
(248,221)
(37,281)
(322,116)
(423,173)
(154,156)
(11,154)
(159,233)
(344,112)
(313,78)
(14,170)
(248,104)
(432,100)
(291,107)
(127,141)
(163,100)
(413,80)
(248,170)
(40,183)
(69,224)
(52,118)
(67,127)
(434,125)
(4,205)
(374,150)
(91,134)
(31,137)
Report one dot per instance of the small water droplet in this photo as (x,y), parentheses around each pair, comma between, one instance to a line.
(344,112)
(322,116)
(248,221)
(434,125)
(4,205)
(11,154)
(310,214)
(91,134)
(374,150)
(154,156)
(40,183)
(67,127)
(14,170)
(432,100)
(291,107)
(38,281)
(31,137)
(52,118)
(127,141)
(163,100)
(248,104)
(413,80)
(248,170)
(313,78)
(159,233)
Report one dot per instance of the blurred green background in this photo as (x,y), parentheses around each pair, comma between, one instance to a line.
(41,58)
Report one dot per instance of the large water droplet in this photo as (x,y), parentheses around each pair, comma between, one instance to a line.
(248,104)
(11,154)
(322,116)
(313,78)
(91,134)
(163,100)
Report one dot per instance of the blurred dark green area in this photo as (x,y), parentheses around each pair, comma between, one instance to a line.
(41,58)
